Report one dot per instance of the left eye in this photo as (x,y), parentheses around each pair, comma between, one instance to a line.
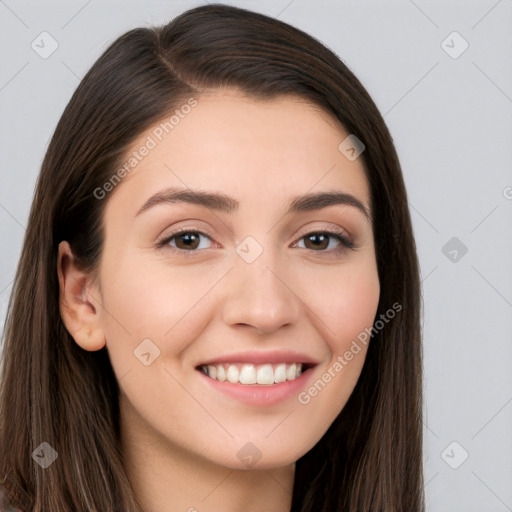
(319,239)
(189,241)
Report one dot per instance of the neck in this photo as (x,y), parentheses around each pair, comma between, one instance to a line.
(170,478)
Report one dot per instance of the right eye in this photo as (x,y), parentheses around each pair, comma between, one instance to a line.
(186,240)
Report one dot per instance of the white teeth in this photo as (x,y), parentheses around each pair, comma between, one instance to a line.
(221,373)
(280,373)
(212,371)
(291,371)
(233,373)
(248,374)
(265,374)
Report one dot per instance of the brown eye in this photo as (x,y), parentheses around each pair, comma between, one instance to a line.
(188,241)
(320,241)
(185,240)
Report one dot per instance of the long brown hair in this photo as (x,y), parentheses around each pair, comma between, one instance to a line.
(370,459)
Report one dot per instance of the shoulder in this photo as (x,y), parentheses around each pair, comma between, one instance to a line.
(5,506)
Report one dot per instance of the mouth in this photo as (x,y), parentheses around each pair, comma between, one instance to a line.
(255,374)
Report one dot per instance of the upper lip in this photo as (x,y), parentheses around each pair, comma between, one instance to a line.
(260,357)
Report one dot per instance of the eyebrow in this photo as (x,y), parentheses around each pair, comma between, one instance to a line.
(223,203)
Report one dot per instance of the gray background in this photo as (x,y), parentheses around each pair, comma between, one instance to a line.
(451,119)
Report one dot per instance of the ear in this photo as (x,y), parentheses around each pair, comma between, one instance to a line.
(79,304)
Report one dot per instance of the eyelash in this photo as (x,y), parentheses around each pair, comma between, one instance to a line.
(345,243)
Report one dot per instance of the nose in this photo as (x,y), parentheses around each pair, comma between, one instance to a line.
(259,295)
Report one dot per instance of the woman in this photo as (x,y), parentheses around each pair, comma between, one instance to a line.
(217,305)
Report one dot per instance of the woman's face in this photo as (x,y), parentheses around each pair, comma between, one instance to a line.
(250,286)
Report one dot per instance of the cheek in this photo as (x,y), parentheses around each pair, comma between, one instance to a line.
(345,301)
(149,301)
(356,306)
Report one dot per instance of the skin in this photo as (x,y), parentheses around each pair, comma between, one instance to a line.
(180,436)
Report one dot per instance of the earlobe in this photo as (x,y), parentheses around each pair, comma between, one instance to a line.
(80,309)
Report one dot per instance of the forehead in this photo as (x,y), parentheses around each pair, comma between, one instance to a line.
(244,146)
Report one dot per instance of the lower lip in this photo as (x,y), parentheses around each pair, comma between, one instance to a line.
(259,394)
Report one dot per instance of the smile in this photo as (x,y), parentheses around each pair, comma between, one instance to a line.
(249,373)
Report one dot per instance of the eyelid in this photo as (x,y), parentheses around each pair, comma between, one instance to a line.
(346,239)
(164,241)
